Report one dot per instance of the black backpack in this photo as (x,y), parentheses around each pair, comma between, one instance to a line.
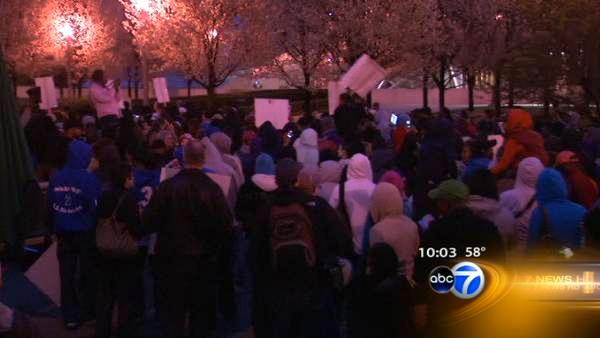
(293,246)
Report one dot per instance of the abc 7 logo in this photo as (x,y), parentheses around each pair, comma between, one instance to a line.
(465,280)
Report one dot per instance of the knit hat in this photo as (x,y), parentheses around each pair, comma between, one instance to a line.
(395,179)
(264,165)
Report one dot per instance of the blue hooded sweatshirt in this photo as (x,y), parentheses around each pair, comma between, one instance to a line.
(564,219)
(475,165)
(73,192)
(146,182)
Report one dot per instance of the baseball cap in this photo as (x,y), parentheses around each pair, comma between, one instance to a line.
(450,190)
(566,157)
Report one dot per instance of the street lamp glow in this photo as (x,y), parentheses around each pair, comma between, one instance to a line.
(212,34)
(65,30)
(142,5)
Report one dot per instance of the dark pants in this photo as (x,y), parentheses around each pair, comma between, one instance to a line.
(186,285)
(76,259)
(295,311)
(119,282)
(304,314)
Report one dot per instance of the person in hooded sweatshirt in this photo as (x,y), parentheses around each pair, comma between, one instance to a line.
(383,305)
(255,191)
(330,173)
(399,181)
(520,200)
(214,163)
(556,219)
(477,155)
(484,203)
(583,188)
(358,190)
(307,148)
(293,293)
(268,141)
(73,195)
(392,227)
(223,144)
(521,142)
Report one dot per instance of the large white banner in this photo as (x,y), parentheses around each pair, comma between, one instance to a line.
(363,76)
(333,93)
(161,90)
(277,111)
(49,99)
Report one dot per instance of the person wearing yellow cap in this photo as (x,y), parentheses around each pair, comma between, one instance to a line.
(583,189)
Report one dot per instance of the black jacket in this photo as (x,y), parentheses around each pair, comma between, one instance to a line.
(191,216)
(347,118)
(459,229)
(250,199)
(332,237)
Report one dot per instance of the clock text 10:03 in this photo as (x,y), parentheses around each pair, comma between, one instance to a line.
(469,252)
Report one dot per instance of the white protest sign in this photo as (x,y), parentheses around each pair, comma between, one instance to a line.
(363,76)
(48,91)
(333,94)
(277,111)
(161,90)
(44,274)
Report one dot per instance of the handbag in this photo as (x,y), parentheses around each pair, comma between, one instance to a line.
(113,237)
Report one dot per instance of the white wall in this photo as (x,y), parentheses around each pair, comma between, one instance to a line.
(404,100)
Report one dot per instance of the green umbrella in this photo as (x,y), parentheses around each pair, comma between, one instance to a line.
(15,163)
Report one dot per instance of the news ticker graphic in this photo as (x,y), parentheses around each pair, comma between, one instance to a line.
(559,281)
(482,285)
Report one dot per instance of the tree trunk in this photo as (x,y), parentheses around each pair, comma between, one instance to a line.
(441,84)
(69,82)
(307,101)
(211,93)
(546,99)
(497,90)
(145,82)
(79,87)
(211,88)
(189,88)
(471,90)
(511,93)
(425,91)
(129,86)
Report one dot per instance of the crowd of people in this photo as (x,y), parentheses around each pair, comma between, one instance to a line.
(324,221)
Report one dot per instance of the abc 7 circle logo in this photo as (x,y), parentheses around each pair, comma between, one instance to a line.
(465,280)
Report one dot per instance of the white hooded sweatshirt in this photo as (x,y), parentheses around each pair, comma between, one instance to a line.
(517,199)
(491,210)
(393,228)
(307,148)
(359,189)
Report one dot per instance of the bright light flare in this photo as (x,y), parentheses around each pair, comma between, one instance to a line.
(212,34)
(65,30)
(143,5)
